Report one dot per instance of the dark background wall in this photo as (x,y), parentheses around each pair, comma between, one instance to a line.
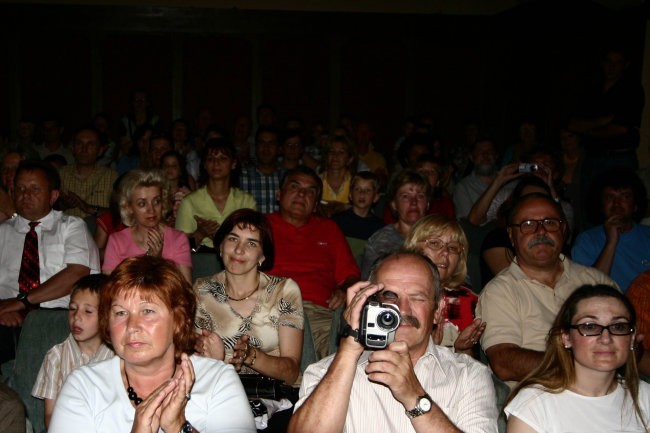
(531,61)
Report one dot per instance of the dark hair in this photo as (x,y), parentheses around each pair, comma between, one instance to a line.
(556,372)
(217,145)
(517,192)
(251,219)
(365,175)
(138,135)
(93,283)
(153,277)
(183,180)
(415,139)
(91,128)
(618,179)
(268,129)
(404,177)
(51,173)
(303,169)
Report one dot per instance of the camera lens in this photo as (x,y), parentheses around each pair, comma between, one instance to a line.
(387,319)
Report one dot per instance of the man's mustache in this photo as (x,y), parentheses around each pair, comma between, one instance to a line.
(411,320)
(542,240)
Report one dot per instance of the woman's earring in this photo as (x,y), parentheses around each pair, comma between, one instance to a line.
(259,264)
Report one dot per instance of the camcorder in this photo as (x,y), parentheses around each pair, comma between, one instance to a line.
(528,168)
(379,322)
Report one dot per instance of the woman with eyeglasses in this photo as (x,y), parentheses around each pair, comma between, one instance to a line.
(442,240)
(588,379)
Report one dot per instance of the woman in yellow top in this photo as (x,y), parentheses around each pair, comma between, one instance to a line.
(339,158)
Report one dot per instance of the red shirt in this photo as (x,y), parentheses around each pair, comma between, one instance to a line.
(315,255)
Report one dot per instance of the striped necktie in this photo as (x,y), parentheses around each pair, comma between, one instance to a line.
(30,270)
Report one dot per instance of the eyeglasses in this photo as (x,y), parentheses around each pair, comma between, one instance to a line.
(594,329)
(436,245)
(531,226)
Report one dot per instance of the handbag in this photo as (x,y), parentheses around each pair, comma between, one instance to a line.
(259,386)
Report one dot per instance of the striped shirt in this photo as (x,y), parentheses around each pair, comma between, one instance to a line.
(459,385)
(95,189)
(59,362)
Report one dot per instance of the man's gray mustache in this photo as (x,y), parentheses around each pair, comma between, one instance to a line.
(411,320)
(543,240)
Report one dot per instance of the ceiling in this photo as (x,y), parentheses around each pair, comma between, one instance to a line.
(444,7)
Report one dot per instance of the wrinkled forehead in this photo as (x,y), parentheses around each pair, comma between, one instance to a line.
(536,208)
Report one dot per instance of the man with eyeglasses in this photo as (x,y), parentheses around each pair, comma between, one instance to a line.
(521,302)
(312,251)
(44,252)
(620,247)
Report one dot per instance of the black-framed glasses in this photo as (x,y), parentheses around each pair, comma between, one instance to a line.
(436,245)
(594,329)
(528,227)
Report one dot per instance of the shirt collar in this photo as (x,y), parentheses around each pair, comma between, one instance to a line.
(46,223)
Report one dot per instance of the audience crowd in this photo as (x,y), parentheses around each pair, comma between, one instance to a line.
(517,254)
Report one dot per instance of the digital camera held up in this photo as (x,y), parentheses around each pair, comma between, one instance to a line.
(527,168)
(378,325)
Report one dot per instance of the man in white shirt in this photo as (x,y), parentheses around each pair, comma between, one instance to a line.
(66,250)
(412,385)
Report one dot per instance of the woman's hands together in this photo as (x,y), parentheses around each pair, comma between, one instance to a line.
(164,408)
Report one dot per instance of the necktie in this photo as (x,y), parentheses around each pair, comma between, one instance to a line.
(30,270)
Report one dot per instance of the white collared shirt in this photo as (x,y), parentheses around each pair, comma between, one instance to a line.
(459,385)
(62,240)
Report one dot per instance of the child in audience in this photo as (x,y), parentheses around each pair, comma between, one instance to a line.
(359,221)
(83,345)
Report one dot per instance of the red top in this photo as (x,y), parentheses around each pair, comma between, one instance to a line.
(315,255)
(460,304)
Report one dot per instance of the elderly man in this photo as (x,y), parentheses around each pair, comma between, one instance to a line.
(620,247)
(44,252)
(412,385)
(520,303)
(311,250)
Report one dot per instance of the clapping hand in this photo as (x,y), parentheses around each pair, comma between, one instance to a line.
(155,242)
(210,344)
(240,352)
(165,406)
(206,228)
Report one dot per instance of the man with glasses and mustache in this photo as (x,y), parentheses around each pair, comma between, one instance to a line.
(521,302)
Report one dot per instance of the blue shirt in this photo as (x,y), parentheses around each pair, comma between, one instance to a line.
(262,187)
(632,252)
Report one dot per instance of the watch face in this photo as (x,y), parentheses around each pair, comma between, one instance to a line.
(425,404)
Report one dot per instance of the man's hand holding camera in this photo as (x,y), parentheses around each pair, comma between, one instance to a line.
(392,366)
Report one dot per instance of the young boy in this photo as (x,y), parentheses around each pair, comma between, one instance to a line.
(359,221)
(83,345)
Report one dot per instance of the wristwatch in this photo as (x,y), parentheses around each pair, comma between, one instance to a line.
(22,297)
(186,428)
(422,406)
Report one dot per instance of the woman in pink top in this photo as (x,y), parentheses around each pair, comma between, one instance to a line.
(143,200)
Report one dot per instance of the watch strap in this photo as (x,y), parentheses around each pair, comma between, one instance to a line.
(186,428)
(348,331)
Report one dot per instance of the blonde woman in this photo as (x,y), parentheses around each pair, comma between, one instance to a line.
(143,202)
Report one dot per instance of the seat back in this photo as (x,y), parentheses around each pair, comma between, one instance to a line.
(204,265)
(308,348)
(42,329)
(358,247)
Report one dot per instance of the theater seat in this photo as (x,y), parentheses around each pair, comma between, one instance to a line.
(42,329)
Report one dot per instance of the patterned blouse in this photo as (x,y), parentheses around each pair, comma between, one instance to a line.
(278,304)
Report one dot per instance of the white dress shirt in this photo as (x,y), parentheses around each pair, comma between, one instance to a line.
(459,385)
(62,240)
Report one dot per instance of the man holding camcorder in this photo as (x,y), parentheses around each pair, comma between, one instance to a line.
(412,384)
